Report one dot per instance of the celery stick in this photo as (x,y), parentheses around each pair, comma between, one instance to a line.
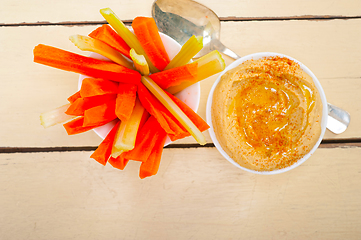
(127,131)
(139,62)
(208,65)
(187,52)
(126,34)
(85,43)
(116,152)
(174,109)
(55,116)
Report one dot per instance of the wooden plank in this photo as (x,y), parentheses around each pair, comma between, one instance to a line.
(17,11)
(329,48)
(196,195)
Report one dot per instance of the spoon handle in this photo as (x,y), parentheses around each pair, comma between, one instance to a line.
(338,119)
(217,45)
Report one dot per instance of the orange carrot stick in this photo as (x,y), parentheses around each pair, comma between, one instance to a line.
(176,76)
(147,33)
(92,67)
(153,106)
(193,116)
(157,109)
(169,123)
(74,97)
(147,138)
(78,107)
(76,126)
(178,129)
(120,162)
(102,153)
(151,166)
(96,86)
(144,119)
(143,146)
(125,100)
(107,35)
(100,114)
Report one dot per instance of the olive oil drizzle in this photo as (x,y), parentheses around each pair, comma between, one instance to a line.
(266,106)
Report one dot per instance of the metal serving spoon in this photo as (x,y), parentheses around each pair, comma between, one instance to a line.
(183,18)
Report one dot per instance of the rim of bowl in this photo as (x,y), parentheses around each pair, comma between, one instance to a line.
(173,47)
(258,56)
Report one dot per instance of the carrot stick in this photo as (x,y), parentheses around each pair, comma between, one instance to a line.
(102,153)
(147,137)
(168,122)
(78,107)
(147,33)
(153,106)
(97,86)
(143,145)
(125,100)
(208,65)
(74,97)
(86,43)
(120,162)
(92,67)
(100,114)
(174,110)
(151,166)
(176,76)
(179,130)
(126,34)
(144,119)
(193,116)
(76,126)
(107,35)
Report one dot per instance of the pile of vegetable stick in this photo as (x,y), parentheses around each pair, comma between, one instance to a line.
(134,90)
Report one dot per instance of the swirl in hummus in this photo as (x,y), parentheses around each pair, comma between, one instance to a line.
(266,113)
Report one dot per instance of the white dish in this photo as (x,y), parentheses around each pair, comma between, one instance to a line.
(190,95)
(258,56)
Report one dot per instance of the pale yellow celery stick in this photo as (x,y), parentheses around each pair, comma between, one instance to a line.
(208,65)
(127,131)
(174,109)
(140,63)
(187,52)
(55,116)
(126,34)
(85,43)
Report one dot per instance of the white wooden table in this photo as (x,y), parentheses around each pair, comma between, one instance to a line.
(51,189)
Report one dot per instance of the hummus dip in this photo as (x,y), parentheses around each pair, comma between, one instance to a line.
(266,113)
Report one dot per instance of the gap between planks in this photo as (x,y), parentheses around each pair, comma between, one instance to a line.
(223,19)
(336,143)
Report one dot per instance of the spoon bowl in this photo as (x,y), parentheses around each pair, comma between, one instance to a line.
(183,18)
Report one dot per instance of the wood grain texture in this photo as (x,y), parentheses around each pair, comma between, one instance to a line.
(31,89)
(196,195)
(32,11)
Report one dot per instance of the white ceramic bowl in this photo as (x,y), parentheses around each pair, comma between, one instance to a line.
(258,56)
(190,95)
